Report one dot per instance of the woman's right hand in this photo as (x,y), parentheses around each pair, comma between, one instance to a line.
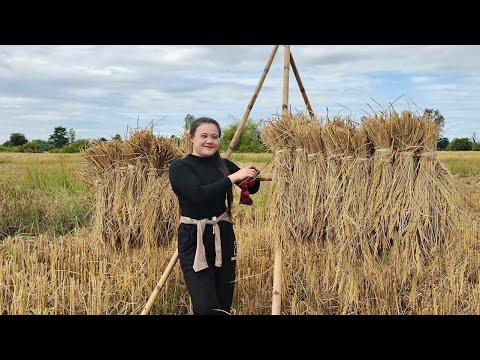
(242,174)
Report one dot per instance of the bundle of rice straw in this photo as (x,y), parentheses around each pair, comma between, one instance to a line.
(135,204)
(292,138)
(365,186)
(379,132)
(369,219)
(355,191)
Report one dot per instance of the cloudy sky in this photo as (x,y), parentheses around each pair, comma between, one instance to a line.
(100,91)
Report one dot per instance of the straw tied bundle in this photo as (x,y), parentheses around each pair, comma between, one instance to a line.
(371,189)
(134,201)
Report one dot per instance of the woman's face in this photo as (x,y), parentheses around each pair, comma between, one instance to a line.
(206,140)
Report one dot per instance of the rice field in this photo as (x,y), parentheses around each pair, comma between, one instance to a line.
(50,262)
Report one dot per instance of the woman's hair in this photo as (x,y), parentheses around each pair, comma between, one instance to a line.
(221,164)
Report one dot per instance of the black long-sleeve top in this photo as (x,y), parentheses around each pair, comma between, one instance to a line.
(200,185)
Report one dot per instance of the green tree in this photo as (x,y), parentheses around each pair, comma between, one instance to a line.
(117,137)
(249,140)
(71,136)
(59,138)
(442,143)
(437,117)
(189,119)
(463,144)
(17,139)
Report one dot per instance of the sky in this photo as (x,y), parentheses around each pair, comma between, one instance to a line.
(103,90)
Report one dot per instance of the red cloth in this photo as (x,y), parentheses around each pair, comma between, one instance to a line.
(244,194)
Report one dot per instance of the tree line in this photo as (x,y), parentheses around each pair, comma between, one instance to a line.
(60,140)
(65,141)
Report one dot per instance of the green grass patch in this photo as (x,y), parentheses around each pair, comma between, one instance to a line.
(44,201)
(251,157)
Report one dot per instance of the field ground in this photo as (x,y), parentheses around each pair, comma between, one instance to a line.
(49,264)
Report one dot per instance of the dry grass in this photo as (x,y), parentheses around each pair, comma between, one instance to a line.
(75,275)
(78,275)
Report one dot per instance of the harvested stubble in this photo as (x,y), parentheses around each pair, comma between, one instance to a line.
(75,275)
(391,230)
(134,200)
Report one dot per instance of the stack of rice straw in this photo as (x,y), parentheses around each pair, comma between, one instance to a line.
(135,204)
(371,188)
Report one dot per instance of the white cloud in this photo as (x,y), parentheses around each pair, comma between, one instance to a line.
(422,79)
(103,88)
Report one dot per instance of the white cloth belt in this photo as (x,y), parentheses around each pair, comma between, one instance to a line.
(200,261)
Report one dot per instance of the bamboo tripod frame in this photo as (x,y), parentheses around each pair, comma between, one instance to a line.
(277,272)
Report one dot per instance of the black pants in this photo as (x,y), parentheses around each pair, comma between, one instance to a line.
(211,289)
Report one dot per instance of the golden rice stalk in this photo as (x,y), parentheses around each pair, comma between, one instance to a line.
(292,132)
(353,214)
(379,132)
(143,146)
(408,132)
(291,138)
(300,201)
(336,137)
(186,146)
(437,210)
(135,205)
(316,195)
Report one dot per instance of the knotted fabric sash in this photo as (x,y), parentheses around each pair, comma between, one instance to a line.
(200,261)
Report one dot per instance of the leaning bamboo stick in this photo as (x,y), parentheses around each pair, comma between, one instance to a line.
(286,71)
(161,282)
(250,104)
(300,85)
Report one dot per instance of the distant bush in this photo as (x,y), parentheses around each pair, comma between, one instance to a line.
(36,146)
(463,144)
(76,147)
(4,148)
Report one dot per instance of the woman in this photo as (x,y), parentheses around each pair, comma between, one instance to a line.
(207,247)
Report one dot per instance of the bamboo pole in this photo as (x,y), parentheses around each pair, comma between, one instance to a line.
(286,71)
(277,280)
(300,85)
(277,267)
(266,177)
(161,282)
(250,104)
